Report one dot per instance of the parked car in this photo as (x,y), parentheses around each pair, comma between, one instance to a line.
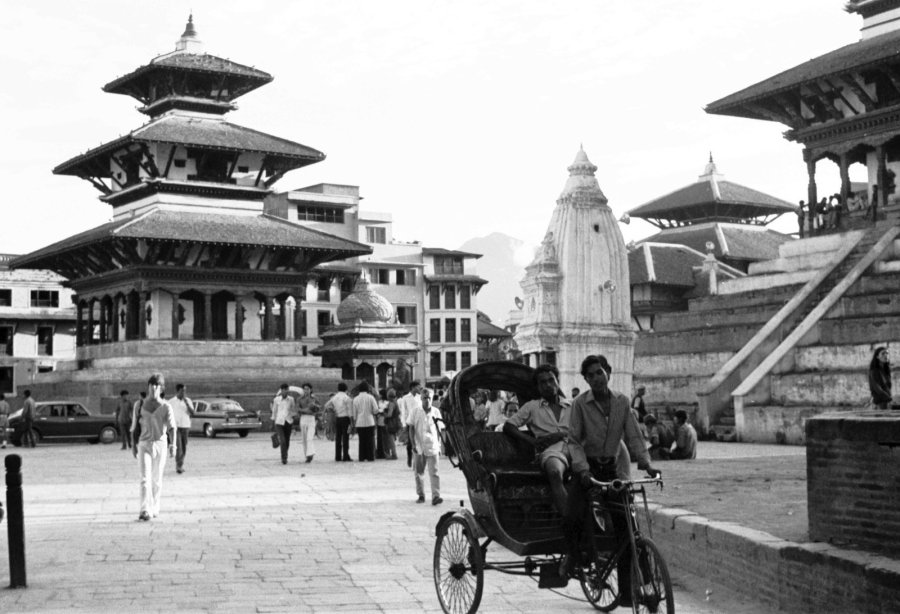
(214,416)
(56,420)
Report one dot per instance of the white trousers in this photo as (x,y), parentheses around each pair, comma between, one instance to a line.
(307,434)
(430,464)
(152,458)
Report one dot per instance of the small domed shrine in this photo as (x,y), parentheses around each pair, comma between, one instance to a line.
(367,342)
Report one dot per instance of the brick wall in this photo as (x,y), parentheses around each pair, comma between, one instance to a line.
(784,575)
(853,479)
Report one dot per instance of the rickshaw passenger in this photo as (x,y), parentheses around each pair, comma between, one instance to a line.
(600,420)
(548,418)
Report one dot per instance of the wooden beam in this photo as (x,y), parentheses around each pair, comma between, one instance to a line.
(97,184)
(234,162)
(894,79)
(836,87)
(153,170)
(827,104)
(262,168)
(768,114)
(793,113)
(274,177)
(169,161)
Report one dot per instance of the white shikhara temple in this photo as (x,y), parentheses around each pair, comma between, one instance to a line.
(576,298)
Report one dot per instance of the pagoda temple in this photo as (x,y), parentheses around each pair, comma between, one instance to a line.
(843,106)
(576,300)
(190,266)
(367,342)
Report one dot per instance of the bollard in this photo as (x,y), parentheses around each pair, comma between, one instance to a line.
(15,521)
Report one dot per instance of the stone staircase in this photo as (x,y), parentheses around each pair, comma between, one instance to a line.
(823,370)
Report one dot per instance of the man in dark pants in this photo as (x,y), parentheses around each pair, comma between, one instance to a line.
(123,418)
(28,409)
(183,409)
(600,421)
(341,405)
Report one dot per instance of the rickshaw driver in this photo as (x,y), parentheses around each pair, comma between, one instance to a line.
(599,422)
(548,418)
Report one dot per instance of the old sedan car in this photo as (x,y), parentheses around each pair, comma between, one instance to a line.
(58,420)
(214,416)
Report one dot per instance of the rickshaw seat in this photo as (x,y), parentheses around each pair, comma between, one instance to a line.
(510,463)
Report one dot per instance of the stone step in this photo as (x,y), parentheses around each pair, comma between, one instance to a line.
(753,298)
(208,362)
(698,364)
(719,339)
(237,375)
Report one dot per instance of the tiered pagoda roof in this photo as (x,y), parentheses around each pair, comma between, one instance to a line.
(712,199)
(164,238)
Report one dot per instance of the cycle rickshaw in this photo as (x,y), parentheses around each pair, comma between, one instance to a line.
(512,506)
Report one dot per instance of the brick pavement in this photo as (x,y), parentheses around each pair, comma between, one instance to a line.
(239,532)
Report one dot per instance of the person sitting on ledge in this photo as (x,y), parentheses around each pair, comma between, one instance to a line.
(685,438)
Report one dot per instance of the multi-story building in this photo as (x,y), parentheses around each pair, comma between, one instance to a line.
(433,291)
(451,312)
(37,324)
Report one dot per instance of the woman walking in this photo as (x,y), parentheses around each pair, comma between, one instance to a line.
(391,424)
(880,378)
(154,422)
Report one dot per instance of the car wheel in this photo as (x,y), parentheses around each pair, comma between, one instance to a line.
(108,434)
(208,431)
(243,433)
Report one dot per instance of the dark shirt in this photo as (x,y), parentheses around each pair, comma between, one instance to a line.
(880,385)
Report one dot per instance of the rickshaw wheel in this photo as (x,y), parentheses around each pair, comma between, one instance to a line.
(458,568)
(651,586)
(603,593)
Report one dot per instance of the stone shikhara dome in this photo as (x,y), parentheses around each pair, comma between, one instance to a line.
(364,305)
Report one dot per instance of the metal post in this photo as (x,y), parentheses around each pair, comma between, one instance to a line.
(15,521)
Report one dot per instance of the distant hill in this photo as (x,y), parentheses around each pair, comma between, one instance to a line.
(503,263)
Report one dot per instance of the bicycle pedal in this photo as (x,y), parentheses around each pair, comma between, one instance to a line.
(550,576)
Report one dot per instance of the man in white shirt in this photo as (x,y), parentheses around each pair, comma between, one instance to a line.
(341,404)
(283,412)
(496,408)
(183,409)
(426,447)
(408,403)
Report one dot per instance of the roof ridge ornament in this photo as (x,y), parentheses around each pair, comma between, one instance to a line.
(189,41)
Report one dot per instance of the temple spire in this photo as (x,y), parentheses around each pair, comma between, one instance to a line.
(189,42)
(712,175)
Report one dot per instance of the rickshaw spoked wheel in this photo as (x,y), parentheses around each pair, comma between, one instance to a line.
(458,568)
(603,593)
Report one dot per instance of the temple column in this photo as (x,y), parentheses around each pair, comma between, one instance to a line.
(880,177)
(142,314)
(175,322)
(90,322)
(811,192)
(114,318)
(103,308)
(845,182)
(238,317)
(289,310)
(298,317)
(269,332)
(281,329)
(207,315)
(79,322)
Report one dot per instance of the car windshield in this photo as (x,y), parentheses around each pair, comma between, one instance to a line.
(232,407)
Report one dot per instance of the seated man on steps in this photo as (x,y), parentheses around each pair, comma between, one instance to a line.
(548,418)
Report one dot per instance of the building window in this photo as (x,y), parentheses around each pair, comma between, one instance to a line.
(406,315)
(406,277)
(376,234)
(434,366)
(323,321)
(434,326)
(450,330)
(6,298)
(465,360)
(45,340)
(6,340)
(44,298)
(465,297)
(450,297)
(465,330)
(448,265)
(450,361)
(380,276)
(329,215)
(6,379)
(324,290)
(434,297)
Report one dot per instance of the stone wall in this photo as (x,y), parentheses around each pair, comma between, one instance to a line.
(787,576)
(853,474)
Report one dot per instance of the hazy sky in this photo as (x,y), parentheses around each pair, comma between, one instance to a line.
(459,117)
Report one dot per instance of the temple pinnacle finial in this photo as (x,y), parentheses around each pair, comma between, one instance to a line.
(189,29)
(710,157)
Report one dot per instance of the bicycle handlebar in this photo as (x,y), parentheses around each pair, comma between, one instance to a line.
(620,485)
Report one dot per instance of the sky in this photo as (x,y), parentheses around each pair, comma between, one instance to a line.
(459,117)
